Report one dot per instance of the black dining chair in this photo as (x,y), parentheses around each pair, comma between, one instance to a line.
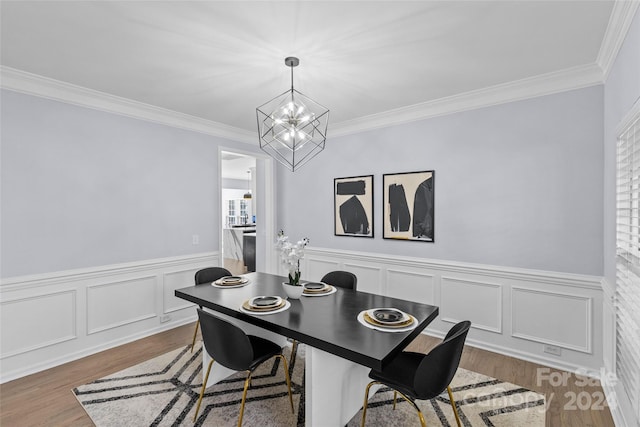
(418,376)
(232,348)
(341,279)
(204,277)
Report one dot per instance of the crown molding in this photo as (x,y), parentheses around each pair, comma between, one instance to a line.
(619,23)
(559,81)
(544,84)
(33,84)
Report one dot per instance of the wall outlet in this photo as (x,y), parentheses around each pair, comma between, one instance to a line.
(165,318)
(552,349)
(195,239)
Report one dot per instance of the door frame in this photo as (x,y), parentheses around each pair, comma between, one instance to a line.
(265,199)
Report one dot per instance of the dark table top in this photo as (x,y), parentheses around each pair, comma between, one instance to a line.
(328,323)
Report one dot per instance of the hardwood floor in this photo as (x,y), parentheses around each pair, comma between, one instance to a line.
(565,392)
(235,266)
(45,398)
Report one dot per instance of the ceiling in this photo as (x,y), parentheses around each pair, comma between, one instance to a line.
(237,166)
(216,61)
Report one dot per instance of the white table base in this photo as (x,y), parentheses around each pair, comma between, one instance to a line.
(334,388)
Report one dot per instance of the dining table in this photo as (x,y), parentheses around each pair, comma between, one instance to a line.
(341,348)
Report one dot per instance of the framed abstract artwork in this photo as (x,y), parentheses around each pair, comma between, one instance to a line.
(353,206)
(408,206)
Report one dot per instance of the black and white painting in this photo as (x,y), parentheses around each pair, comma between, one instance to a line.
(353,206)
(408,206)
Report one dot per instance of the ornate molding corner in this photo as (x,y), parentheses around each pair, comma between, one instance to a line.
(619,24)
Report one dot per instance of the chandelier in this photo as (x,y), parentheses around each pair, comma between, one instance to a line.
(292,127)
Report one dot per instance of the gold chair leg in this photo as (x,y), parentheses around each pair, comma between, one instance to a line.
(366,400)
(244,396)
(453,405)
(294,347)
(286,375)
(422,421)
(204,386)
(195,333)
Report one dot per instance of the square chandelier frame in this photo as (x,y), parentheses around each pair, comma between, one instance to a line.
(292,128)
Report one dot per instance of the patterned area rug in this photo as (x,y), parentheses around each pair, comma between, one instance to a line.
(164,392)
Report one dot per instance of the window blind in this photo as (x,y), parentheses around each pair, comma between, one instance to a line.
(628,262)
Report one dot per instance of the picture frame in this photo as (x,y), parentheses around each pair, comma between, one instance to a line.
(408,206)
(353,206)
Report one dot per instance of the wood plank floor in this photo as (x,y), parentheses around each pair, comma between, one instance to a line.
(235,266)
(45,398)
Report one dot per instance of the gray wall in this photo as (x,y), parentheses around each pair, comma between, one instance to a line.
(622,90)
(84,188)
(518,184)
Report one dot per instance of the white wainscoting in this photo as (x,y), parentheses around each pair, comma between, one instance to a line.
(50,319)
(134,299)
(460,299)
(43,320)
(571,331)
(513,311)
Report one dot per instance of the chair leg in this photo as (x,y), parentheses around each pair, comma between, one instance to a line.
(366,400)
(204,386)
(453,405)
(244,396)
(294,348)
(413,403)
(286,375)
(395,396)
(195,333)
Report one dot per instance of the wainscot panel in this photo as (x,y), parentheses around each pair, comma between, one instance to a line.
(171,282)
(410,285)
(517,312)
(542,316)
(479,302)
(114,304)
(369,276)
(51,319)
(40,321)
(316,268)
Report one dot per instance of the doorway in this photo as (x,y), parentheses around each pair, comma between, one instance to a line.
(246,211)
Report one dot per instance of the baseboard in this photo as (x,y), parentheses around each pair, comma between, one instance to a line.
(615,407)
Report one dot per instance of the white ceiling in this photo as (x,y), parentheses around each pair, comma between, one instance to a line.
(218,60)
(237,166)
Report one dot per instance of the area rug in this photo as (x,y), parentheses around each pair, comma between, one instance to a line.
(164,392)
